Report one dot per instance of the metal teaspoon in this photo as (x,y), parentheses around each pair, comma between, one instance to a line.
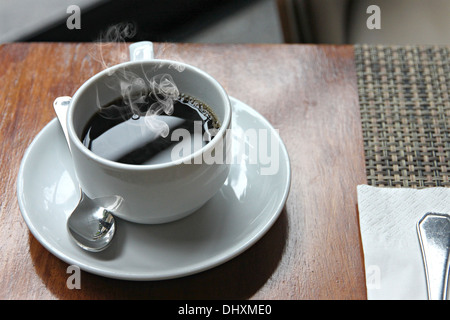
(91,227)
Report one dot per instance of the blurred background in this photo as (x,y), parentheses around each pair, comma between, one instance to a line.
(231,21)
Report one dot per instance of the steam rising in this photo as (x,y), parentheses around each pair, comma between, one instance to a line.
(114,36)
(135,90)
(165,92)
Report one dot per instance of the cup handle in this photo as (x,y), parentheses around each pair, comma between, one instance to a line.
(141,51)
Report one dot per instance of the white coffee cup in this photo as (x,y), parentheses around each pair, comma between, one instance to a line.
(156,193)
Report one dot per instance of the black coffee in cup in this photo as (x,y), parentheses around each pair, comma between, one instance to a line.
(140,133)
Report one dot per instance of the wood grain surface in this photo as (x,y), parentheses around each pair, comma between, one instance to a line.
(307,92)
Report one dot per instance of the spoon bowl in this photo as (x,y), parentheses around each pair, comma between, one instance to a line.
(92,227)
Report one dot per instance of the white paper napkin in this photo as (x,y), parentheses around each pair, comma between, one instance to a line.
(392,256)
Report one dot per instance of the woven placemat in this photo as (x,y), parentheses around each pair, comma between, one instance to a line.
(405,114)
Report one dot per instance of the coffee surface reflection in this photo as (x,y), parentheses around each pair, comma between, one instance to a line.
(138,135)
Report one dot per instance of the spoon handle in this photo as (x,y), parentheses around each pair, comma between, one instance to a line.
(61,105)
(434,236)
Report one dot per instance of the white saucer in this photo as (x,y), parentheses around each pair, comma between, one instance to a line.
(234,219)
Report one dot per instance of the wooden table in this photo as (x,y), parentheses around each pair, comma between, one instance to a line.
(307,92)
